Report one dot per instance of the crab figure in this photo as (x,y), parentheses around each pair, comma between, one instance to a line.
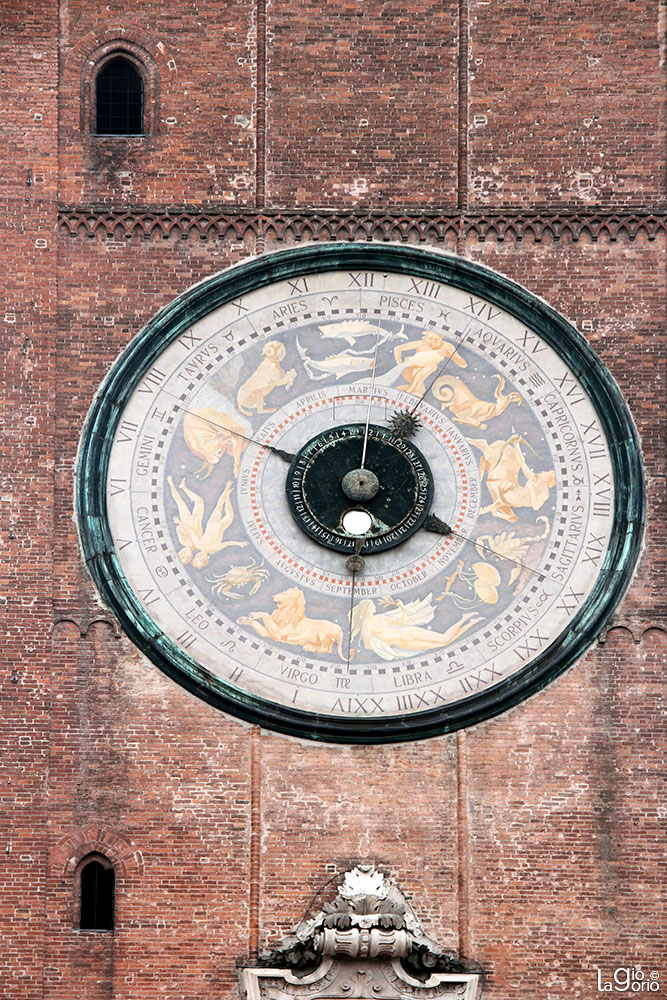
(231,583)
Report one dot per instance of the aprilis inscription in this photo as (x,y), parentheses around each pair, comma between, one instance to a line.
(360,493)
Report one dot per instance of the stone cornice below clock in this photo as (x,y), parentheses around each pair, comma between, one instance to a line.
(366,943)
(369,918)
(406,226)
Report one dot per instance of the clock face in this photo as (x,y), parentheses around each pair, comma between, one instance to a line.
(360,493)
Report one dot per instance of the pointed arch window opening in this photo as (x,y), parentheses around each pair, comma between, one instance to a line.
(119,98)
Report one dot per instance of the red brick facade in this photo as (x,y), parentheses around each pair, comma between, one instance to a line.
(527,136)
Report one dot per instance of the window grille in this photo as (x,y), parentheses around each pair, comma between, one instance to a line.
(119,99)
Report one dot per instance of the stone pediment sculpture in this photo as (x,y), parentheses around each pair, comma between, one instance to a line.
(365,943)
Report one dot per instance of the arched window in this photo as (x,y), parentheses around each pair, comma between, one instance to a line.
(97,884)
(119,98)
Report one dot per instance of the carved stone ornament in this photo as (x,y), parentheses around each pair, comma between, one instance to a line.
(366,943)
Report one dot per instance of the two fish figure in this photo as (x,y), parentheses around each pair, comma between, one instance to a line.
(337,365)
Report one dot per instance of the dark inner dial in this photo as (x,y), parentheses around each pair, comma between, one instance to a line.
(319,504)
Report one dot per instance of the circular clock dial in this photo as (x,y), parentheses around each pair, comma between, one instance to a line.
(360,493)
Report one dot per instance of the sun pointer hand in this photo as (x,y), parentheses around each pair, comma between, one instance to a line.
(370,398)
(355,564)
(439,527)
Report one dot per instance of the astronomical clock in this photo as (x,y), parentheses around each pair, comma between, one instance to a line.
(360,493)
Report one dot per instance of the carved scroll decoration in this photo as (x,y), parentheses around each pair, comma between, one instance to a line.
(366,943)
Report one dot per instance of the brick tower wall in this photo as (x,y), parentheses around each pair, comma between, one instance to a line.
(526,136)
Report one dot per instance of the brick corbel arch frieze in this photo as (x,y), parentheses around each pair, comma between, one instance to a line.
(285,227)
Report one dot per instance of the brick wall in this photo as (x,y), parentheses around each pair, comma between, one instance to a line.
(532,842)
(28,182)
(566,104)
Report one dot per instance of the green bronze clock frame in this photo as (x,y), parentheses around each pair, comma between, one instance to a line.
(197,302)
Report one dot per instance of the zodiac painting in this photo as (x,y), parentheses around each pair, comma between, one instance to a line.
(289,623)
(334,365)
(268,375)
(504,462)
(507,545)
(430,351)
(354,329)
(455,396)
(199,542)
(400,631)
(231,583)
(210,434)
(480,585)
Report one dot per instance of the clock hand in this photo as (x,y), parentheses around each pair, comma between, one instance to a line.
(349,619)
(403,424)
(433,523)
(370,398)
(443,367)
(355,564)
(285,455)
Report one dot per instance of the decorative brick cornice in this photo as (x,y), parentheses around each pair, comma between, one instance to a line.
(82,622)
(323,225)
(157,224)
(634,630)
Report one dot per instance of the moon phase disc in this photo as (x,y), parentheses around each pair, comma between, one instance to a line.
(318,501)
